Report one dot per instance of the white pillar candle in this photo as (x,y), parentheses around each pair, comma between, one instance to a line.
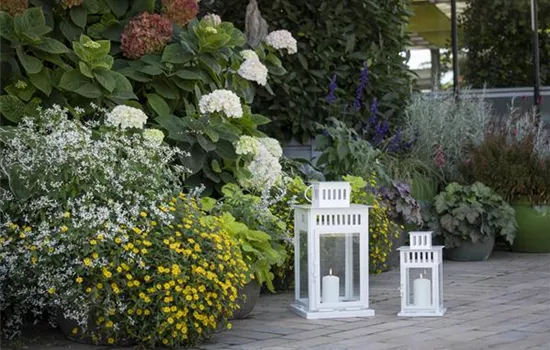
(331,289)
(422,292)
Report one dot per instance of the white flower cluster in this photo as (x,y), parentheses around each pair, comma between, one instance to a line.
(126,117)
(262,162)
(222,101)
(282,39)
(252,69)
(212,19)
(93,185)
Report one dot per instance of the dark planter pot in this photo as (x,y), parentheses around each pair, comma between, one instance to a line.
(533,234)
(247,299)
(469,251)
(67,325)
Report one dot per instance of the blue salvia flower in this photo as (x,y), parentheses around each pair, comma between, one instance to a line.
(363,80)
(373,111)
(331,97)
(380,132)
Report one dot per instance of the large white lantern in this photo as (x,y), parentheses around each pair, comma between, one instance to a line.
(331,255)
(421,277)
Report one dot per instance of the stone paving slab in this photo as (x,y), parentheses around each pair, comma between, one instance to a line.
(502,304)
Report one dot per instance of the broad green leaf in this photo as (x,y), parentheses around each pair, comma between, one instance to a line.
(89,90)
(52,46)
(175,127)
(31,64)
(12,108)
(350,43)
(158,104)
(208,203)
(189,74)
(28,23)
(42,81)
(260,119)
(72,80)
(106,79)
(176,54)
(69,30)
(79,16)
(207,145)
(216,166)
(151,70)
(6,26)
(119,7)
(139,6)
(85,69)
(25,94)
(164,89)
(274,60)
(134,75)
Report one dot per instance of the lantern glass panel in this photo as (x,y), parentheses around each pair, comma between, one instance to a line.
(304,273)
(420,287)
(339,261)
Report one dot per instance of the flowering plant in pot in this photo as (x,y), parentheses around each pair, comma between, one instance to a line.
(94,230)
(514,159)
(469,218)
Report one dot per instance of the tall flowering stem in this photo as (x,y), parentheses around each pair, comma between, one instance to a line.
(331,96)
(363,81)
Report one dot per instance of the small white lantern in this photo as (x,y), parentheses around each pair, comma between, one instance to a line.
(331,255)
(421,277)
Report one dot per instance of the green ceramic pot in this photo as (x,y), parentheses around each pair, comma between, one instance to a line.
(533,235)
(468,251)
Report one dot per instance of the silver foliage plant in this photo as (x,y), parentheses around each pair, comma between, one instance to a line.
(443,128)
(67,181)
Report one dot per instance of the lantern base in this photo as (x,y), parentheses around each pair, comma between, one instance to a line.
(422,313)
(341,313)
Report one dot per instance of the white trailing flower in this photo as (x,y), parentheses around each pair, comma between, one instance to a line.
(95,184)
(212,19)
(222,101)
(282,39)
(252,69)
(249,54)
(153,136)
(126,117)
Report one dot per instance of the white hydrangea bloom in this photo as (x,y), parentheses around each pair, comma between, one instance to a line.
(273,146)
(253,70)
(223,101)
(153,136)
(213,19)
(249,55)
(126,117)
(264,166)
(247,145)
(282,39)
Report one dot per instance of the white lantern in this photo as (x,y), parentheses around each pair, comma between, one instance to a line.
(331,255)
(421,277)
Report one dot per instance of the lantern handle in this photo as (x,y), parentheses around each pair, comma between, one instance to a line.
(305,193)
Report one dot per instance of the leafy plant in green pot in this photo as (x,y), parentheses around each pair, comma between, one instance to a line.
(470,218)
(514,159)
(249,221)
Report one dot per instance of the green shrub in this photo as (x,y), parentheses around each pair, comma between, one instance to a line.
(332,39)
(471,214)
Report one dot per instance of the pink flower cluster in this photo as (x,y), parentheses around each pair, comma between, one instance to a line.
(14,7)
(180,12)
(146,33)
(67,4)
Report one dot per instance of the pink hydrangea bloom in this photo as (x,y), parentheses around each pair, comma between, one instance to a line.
(67,4)
(146,33)
(180,12)
(14,7)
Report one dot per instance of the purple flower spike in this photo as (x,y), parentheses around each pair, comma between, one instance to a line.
(331,97)
(363,80)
